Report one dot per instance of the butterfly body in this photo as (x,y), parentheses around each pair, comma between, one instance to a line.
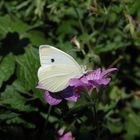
(57,68)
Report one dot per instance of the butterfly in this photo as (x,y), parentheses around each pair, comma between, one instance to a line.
(57,68)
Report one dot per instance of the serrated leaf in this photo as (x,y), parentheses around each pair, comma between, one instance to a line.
(8,24)
(12,24)
(18,120)
(27,68)
(36,37)
(114,127)
(7,67)
(28,65)
(132,126)
(11,98)
(17,85)
(135,119)
(5,115)
(136,103)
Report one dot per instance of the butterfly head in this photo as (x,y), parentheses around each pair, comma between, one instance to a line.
(84,69)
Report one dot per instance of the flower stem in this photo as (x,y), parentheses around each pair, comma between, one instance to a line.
(94,112)
(47,118)
(46,122)
(96,119)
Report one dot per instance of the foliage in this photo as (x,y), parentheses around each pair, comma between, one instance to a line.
(109,36)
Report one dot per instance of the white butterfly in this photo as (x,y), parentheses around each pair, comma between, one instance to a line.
(57,68)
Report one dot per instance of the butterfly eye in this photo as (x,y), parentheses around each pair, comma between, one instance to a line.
(52,60)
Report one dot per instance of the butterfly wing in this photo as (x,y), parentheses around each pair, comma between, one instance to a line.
(57,68)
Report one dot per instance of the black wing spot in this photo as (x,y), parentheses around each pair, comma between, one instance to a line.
(52,60)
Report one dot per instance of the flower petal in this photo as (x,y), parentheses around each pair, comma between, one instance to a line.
(51,99)
(107,72)
(80,83)
(94,75)
(66,136)
(39,85)
(72,98)
(104,81)
(75,82)
(69,94)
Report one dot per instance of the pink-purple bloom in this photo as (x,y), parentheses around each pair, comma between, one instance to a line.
(67,94)
(94,79)
(91,80)
(64,136)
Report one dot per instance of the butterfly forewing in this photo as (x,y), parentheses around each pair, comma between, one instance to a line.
(57,68)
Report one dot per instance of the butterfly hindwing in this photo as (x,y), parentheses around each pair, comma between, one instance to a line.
(55,78)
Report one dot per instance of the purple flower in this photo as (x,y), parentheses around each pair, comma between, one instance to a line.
(92,80)
(64,136)
(67,94)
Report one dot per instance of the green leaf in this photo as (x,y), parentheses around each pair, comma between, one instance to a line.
(108,47)
(114,127)
(7,67)
(12,24)
(12,99)
(27,67)
(132,126)
(135,118)
(5,115)
(8,24)
(118,94)
(17,85)
(136,103)
(36,37)
(18,120)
